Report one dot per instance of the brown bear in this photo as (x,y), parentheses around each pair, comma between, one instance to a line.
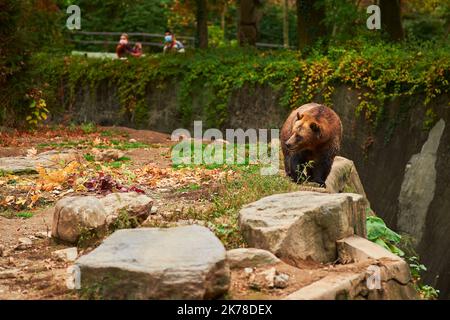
(312,132)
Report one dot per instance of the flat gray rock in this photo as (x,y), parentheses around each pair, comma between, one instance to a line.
(250,258)
(150,263)
(303,225)
(28,165)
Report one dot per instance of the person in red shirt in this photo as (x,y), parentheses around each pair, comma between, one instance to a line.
(124,49)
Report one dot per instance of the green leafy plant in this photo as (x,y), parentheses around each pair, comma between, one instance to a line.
(206,79)
(302,171)
(88,128)
(89,157)
(426,291)
(38,112)
(378,232)
(124,221)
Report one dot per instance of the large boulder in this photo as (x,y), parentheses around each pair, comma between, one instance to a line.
(376,274)
(74,215)
(303,225)
(150,263)
(77,214)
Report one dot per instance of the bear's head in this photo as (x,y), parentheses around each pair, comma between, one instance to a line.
(306,133)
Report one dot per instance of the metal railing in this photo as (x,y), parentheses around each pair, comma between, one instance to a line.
(142,37)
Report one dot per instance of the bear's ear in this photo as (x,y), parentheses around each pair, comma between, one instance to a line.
(299,116)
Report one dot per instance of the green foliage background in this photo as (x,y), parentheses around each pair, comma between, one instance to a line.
(35,58)
(380,72)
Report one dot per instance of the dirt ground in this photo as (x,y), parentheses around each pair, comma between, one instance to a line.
(34,273)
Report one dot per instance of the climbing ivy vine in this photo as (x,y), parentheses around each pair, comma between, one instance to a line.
(379,73)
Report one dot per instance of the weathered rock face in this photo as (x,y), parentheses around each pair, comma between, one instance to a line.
(250,258)
(343,177)
(75,215)
(391,162)
(150,263)
(419,185)
(136,205)
(384,277)
(303,225)
(27,165)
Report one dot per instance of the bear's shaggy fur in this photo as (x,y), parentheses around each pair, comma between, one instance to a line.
(312,132)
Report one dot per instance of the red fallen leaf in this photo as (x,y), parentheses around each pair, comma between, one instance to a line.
(106,184)
(136,189)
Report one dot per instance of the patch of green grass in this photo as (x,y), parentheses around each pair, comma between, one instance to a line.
(118,163)
(88,128)
(89,157)
(126,145)
(64,144)
(83,144)
(191,187)
(238,156)
(24,215)
(114,132)
(89,237)
(124,221)
(10,214)
(106,133)
(247,187)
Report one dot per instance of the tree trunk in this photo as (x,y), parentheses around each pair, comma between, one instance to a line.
(249,16)
(310,26)
(202,24)
(223,16)
(286,23)
(391,19)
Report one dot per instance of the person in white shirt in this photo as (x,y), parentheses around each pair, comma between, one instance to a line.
(171,44)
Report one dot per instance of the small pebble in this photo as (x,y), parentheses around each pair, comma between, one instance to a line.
(281,281)
(43,235)
(24,243)
(67,255)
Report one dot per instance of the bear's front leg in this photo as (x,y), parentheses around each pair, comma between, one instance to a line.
(290,162)
(321,170)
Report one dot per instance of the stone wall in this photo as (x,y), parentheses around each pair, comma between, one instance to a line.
(417,201)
